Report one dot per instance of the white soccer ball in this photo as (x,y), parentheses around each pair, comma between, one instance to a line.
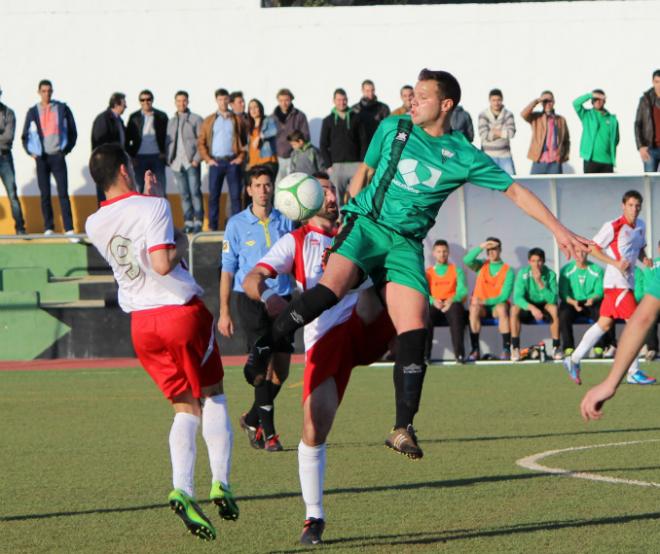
(298,196)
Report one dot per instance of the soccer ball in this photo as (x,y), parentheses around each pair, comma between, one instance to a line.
(298,196)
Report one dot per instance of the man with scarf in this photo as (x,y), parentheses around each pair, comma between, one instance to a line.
(340,144)
(288,118)
(371,112)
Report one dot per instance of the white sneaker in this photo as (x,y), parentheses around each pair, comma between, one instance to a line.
(74,240)
(609,352)
(515,354)
(49,232)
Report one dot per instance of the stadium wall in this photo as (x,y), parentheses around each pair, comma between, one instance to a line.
(90,49)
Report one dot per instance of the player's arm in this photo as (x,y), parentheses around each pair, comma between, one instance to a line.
(630,343)
(648,262)
(528,202)
(622,265)
(255,287)
(520,291)
(471,259)
(361,179)
(225,322)
(461,286)
(164,260)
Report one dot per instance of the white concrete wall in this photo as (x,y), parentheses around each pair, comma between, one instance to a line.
(90,48)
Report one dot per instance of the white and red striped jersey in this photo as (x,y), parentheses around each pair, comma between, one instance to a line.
(125,230)
(620,240)
(300,253)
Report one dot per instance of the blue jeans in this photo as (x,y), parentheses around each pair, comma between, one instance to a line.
(546,168)
(54,164)
(217,174)
(190,186)
(8,176)
(505,164)
(654,162)
(153,162)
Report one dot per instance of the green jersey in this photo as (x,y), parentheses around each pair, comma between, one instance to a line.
(640,286)
(653,280)
(581,284)
(651,273)
(429,169)
(526,290)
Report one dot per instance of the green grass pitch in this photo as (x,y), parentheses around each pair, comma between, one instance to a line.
(84,467)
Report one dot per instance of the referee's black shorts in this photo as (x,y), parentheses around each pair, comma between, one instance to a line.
(255,321)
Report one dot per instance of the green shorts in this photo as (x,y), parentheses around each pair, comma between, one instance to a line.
(382,254)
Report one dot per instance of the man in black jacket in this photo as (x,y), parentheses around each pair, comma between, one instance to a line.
(108,128)
(647,125)
(371,112)
(146,135)
(340,144)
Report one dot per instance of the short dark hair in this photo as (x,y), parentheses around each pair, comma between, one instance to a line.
(258,171)
(104,164)
(406,87)
(598,91)
(494,239)
(116,99)
(339,91)
(367,82)
(236,94)
(221,92)
(547,92)
(181,93)
(321,175)
(285,92)
(295,136)
(656,73)
(146,91)
(45,82)
(631,194)
(441,242)
(495,92)
(447,83)
(536,251)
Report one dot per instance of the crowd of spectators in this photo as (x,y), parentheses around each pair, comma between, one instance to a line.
(232,140)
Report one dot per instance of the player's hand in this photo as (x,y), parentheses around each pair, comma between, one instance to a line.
(226,325)
(578,308)
(446,304)
(569,243)
(648,262)
(194,163)
(588,303)
(538,314)
(644,153)
(151,184)
(236,161)
(622,265)
(591,406)
(211,162)
(487,245)
(437,304)
(275,305)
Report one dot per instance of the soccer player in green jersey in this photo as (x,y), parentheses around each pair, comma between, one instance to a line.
(631,341)
(412,165)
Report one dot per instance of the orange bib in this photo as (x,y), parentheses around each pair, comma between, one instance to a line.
(442,287)
(487,285)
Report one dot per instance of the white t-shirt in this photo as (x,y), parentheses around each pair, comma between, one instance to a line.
(300,253)
(125,230)
(621,241)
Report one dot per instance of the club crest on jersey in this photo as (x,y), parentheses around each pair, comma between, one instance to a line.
(401,136)
(225,246)
(416,173)
(314,242)
(250,242)
(447,153)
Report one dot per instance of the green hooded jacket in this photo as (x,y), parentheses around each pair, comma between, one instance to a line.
(591,121)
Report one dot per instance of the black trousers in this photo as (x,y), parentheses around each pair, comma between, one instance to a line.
(456,318)
(597,167)
(55,165)
(567,316)
(652,336)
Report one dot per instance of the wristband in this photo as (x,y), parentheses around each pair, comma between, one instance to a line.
(265,295)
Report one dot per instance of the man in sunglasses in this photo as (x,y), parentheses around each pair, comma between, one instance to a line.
(146,134)
(550,144)
(600,133)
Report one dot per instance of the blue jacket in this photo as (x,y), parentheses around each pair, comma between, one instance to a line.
(33,137)
(268,134)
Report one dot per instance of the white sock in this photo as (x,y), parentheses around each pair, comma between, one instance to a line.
(183,450)
(634,367)
(590,338)
(216,430)
(311,468)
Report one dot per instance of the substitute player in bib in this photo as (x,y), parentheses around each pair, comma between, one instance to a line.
(618,244)
(171,329)
(413,163)
(356,331)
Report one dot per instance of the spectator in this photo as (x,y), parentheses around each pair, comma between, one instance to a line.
(183,132)
(448,290)
(580,292)
(7,173)
(550,143)
(647,125)
(407,94)
(237,106)
(461,121)
(146,135)
(108,128)
(496,129)
(371,112)
(220,146)
(305,157)
(288,118)
(490,297)
(49,134)
(535,299)
(600,133)
(340,144)
(262,132)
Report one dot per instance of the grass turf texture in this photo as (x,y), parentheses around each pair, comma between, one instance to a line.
(85,467)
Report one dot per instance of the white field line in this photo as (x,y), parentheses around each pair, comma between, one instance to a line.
(531,462)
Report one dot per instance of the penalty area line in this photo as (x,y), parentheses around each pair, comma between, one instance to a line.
(531,463)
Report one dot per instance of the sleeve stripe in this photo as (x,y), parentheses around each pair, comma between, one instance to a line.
(270,268)
(168,246)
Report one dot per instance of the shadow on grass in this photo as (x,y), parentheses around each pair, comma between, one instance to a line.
(437,537)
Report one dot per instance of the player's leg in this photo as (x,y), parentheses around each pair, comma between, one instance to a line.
(553,311)
(515,332)
(267,393)
(476,312)
(567,316)
(455,316)
(651,342)
(589,340)
(436,318)
(502,313)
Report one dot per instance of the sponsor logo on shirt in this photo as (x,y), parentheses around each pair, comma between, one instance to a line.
(401,136)
(225,246)
(447,153)
(416,173)
(250,242)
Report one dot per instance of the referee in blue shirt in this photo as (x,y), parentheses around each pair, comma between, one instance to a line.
(248,236)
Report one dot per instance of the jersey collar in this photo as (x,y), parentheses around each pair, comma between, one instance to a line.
(120,197)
